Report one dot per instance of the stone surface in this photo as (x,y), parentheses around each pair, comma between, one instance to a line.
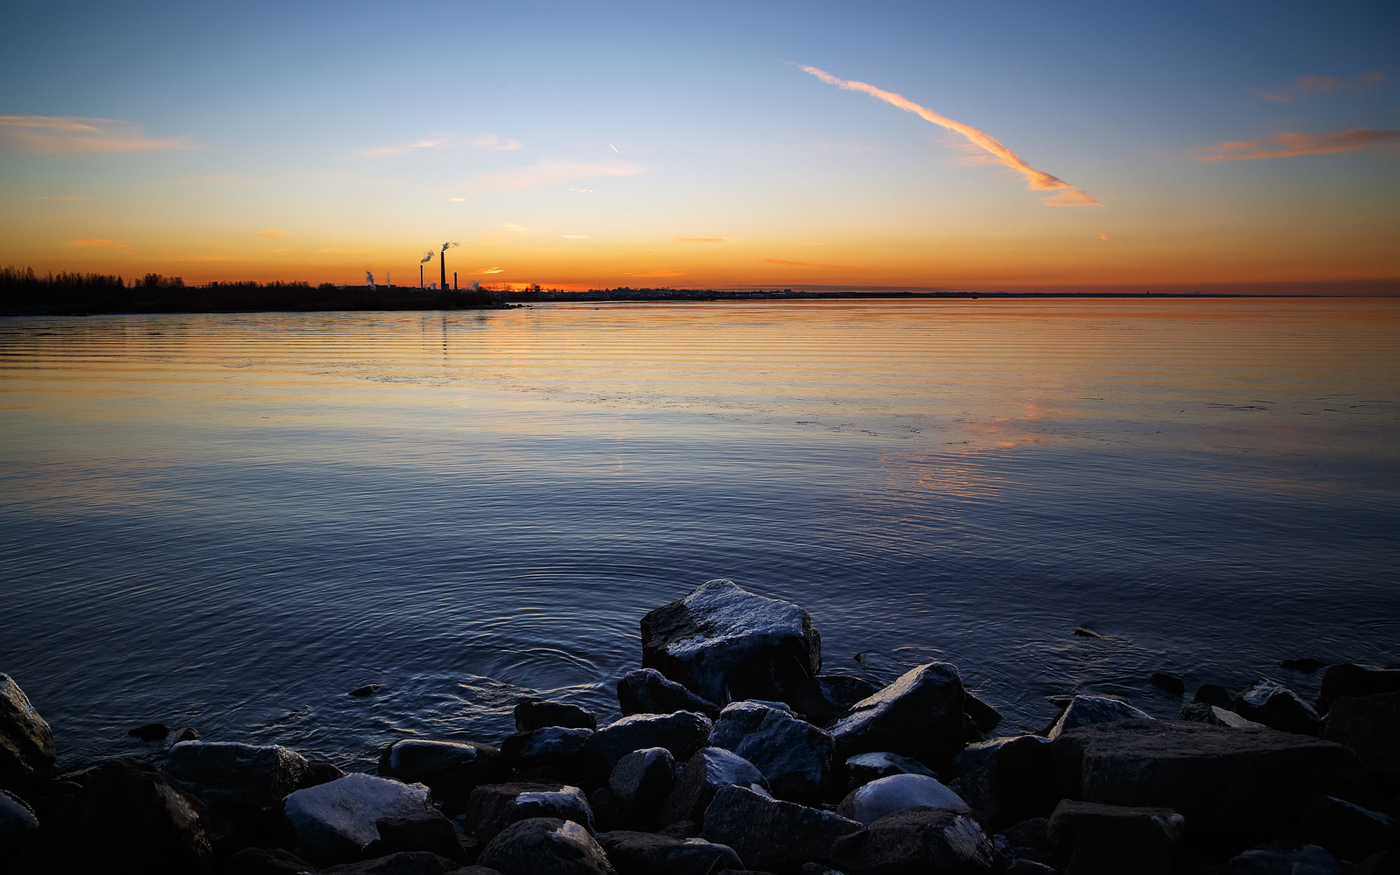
(873,801)
(709,770)
(1088,710)
(150,732)
(648,691)
(1169,681)
(824,698)
(365,691)
(333,822)
(1277,707)
(1008,779)
(17,824)
(493,807)
(1027,840)
(640,783)
(227,773)
(267,861)
(1346,831)
(866,767)
(920,715)
(1369,725)
(532,714)
(451,769)
(401,863)
(1306,665)
(1095,839)
(725,643)
(682,733)
(917,841)
(1213,694)
(26,742)
(640,853)
(792,754)
(984,717)
(1347,679)
(1284,858)
(545,846)
(1235,787)
(565,751)
(428,830)
(770,833)
(1200,712)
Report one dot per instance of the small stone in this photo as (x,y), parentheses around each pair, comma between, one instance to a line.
(186,734)
(334,822)
(546,845)
(1088,710)
(873,801)
(366,690)
(1082,632)
(1213,694)
(493,807)
(1277,707)
(706,773)
(1306,666)
(1169,681)
(648,691)
(532,714)
(682,733)
(150,732)
(1284,858)
(792,754)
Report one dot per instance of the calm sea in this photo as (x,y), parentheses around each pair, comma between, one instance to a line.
(230,521)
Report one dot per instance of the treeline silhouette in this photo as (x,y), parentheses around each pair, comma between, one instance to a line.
(22,292)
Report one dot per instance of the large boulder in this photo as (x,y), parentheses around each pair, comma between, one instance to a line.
(916,841)
(1096,839)
(640,783)
(17,824)
(704,775)
(725,643)
(1007,779)
(1346,679)
(545,846)
(648,691)
(825,697)
(1235,787)
(920,715)
(1347,831)
(451,769)
(532,714)
(493,807)
(557,750)
(228,773)
(1369,725)
(866,767)
(1088,710)
(1277,707)
(682,733)
(640,853)
(428,830)
(1284,858)
(792,754)
(333,822)
(771,834)
(887,795)
(26,742)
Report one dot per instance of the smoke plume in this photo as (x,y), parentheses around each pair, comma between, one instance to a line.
(426,258)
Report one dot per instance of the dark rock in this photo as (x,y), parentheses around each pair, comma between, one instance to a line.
(792,754)
(771,833)
(333,822)
(920,715)
(187,733)
(1200,712)
(916,841)
(825,697)
(984,717)
(267,861)
(640,782)
(640,853)
(404,863)
(26,742)
(866,767)
(1089,710)
(1027,840)
(1277,707)
(1235,787)
(607,811)
(682,733)
(817,869)
(366,690)
(150,732)
(545,846)
(451,769)
(1348,832)
(648,691)
(18,823)
(1169,681)
(1306,666)
(873,801)
(1214,694)
(532,714)
(566,752)
(1284,858)
(1347,679)
(1369,725)
(1029,867)
(493,807)
(1094,839)
(319,772)
(1082,632)
(725,643)
(228,774)
(1384,863)
(428,830)
(709,770)
(1007,779)
(681,829)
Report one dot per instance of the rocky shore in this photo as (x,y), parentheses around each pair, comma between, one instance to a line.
(735,753)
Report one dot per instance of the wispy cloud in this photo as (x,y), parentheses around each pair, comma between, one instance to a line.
(97,243)
(486,270)
(582,190)
(457,200)
(64,197)
(1037,180)
(272,233)
(576,236)
(1293,145)
(519,229)
(1103,237)
(786,263)
(552,173)
(1314,84)
(700,239)
(490,142)
(71,135)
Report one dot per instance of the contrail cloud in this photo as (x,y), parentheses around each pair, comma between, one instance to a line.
(1037,180)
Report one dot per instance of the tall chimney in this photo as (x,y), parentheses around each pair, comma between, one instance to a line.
(442,265)
(420,277)
(454,280)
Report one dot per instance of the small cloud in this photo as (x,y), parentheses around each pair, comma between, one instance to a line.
(490,142)
(548,173)
(575,236)
(71,135)
(1103,236)
(457,200)
(519,229)
(582,190)
(97,243)
(1293,145)
(1315,84)
(63,197)
(272,233)
(614,148)
(700,239)
(486,270)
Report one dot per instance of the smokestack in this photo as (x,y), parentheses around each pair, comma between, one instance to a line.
(420,277)
(442,265)
(454,280)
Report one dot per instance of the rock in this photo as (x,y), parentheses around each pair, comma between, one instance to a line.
(493,807)
(556,749)
(150,732)
(1082,632)
(1029,867)
(916,841)
(1213,694)
(640,853)
(545,846)
(897,792)
(1028,840)
(334,822)
(866,767)
(319,772)
(1235,787)
(648,691)
(681,829)
(532,714)
(1284,858)
(1169,681)
(1346,831)
(725,643)
(1096,839)
(1306,666)
(404,863)
(825,697)
(451,769)
(919,715)
(26,742)
(188,733)
(792,754)
(17,824)
(228,774)
(817,869)
(267,861)
(1088,710)
(1369,725)
(1384,863)
(770,833)
(682,733)
(1347,679)
(607,811)
(984,717)
(428,830)
(366,690)
(640,783)
(708,771)
(1007,779)
(1277,707)
(1200,712)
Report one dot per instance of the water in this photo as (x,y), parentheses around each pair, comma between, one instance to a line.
(229,521)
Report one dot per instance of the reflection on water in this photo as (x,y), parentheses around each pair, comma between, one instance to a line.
(230,521)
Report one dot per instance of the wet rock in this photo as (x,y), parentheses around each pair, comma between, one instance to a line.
(607,811)
(319,772)
(1200,712)
(1007,779)
(682,733)
(1029,867)
(366,690)
(1088,710)
(1369,725)
(1384,863)
(1284,858)
(228,774)
(640,853)
(1169,681)
(428,830)
(1347,679)
(770,833)
(866,767)
(1307,665)
(493,807)
(451,769)
(1028,840)
(897,792)
(640,783)
(984,717)
(1235,787)
(1082,632)
(725,643)
(334,822)
(532,714)
(825,697)
(17,824)
(1346,831)
(706,773)
(401,863)
(916,841)
(268,861)
(150,732)
(562,751)
(648,691)
(1277,707)
(26,742)
(920,715)
(186,733)
(1094,839)
(1213,694)
(792,754)
(681,829)
(545,846)
(818,869)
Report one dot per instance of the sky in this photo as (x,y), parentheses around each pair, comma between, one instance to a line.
(1016,145)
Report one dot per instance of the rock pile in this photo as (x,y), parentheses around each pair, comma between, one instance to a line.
(737,754)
